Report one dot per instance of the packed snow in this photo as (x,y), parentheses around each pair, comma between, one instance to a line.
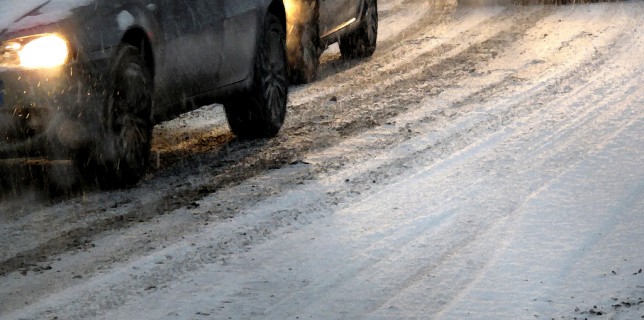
(485,163)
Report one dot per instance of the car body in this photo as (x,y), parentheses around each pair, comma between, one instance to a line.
(180,54)
(313,25)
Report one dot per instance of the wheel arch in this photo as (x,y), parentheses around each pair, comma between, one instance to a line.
(138,38)
(278,9)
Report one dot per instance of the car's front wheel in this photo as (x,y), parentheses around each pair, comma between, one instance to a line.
(361,43)
(121,153)
(260,112)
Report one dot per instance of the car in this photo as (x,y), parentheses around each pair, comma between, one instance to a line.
(86,80)
(313,25)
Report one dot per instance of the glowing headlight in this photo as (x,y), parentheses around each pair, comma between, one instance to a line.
(47,51)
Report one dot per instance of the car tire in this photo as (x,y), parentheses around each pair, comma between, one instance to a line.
(303,45)
(361,43)
(260,112)
(121,155)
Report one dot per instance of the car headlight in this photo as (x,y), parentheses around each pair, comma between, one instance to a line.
(36,52)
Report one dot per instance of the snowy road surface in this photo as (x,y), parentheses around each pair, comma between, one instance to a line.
(485,163)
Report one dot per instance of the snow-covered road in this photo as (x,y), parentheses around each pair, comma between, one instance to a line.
(486,163)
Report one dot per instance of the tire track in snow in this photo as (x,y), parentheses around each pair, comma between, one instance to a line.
(627,98)
(338,197)
(518,113)
(348,279)
(139,213)
(166,199)
(350,276)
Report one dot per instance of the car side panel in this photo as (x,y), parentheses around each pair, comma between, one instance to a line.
(335,13)
(241,29)
(192,34)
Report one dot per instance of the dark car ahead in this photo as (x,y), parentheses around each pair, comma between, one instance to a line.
(87,79)
(313,25)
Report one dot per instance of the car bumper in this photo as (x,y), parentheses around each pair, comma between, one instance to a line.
(48,113)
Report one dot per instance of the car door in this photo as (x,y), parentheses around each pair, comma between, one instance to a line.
(335,14)
(192,32)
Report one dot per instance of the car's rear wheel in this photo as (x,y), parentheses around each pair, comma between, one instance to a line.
(121,155)
(361,43)
(260,112)
(303,44)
